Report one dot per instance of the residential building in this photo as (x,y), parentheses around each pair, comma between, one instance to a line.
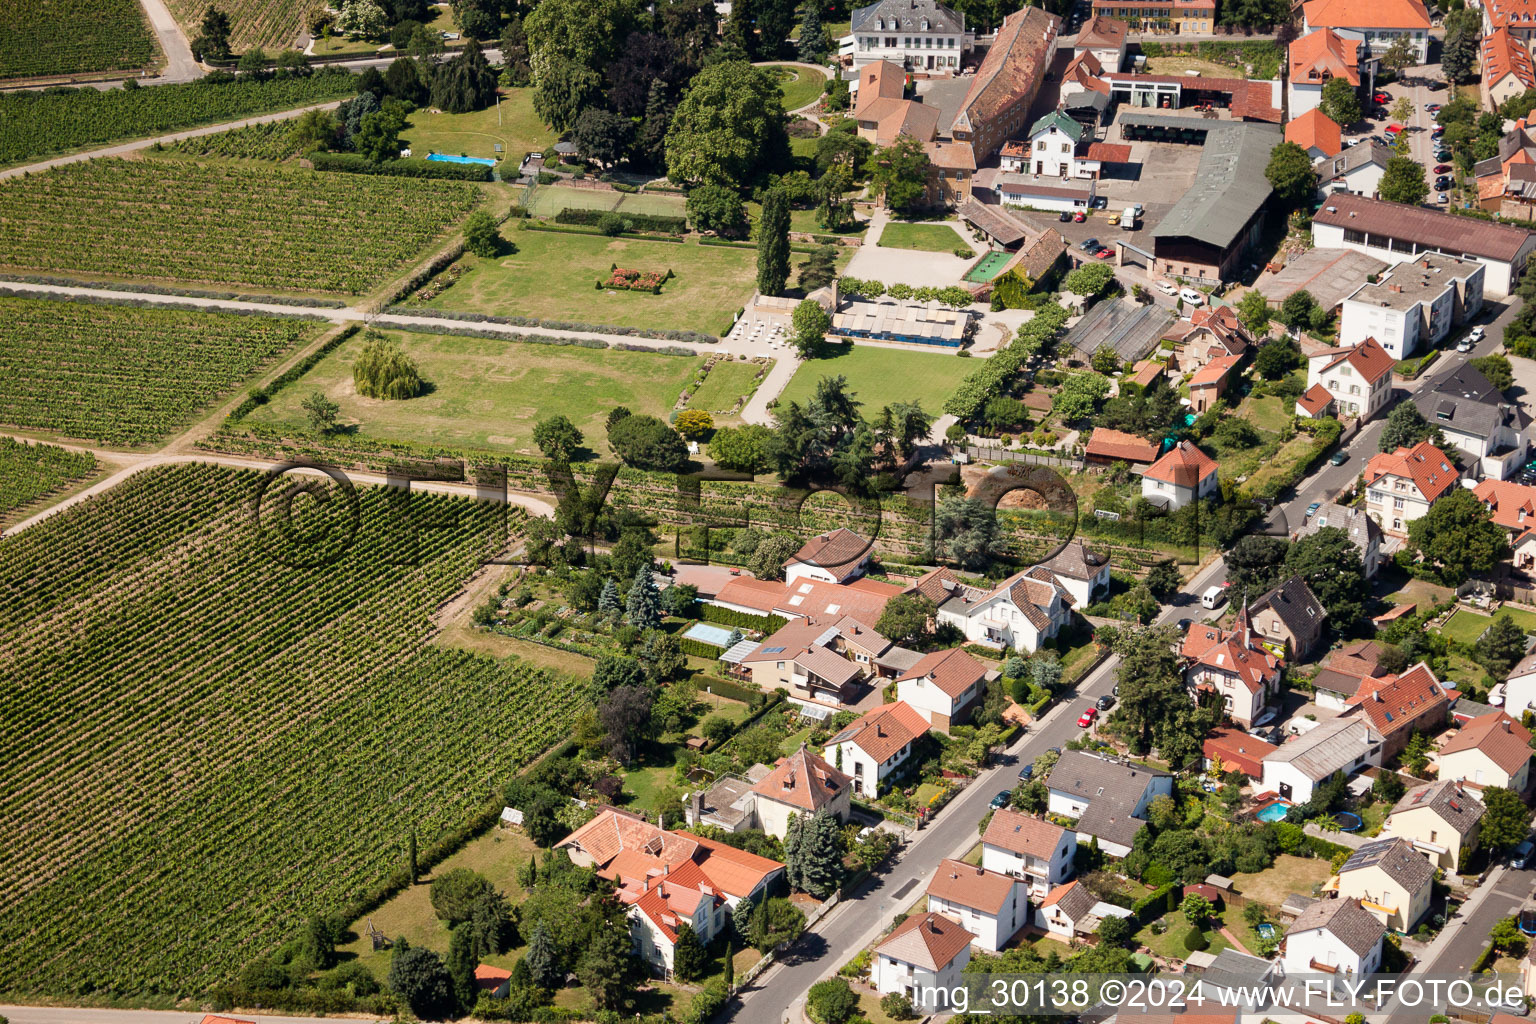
(1316,133)
(1492,750)
(1362,530)
(882,122)
(1357,378)
(875,745)
(801,783)
(1302,762)
(1510,505)
(944,687)
(1517,16)
(1053,143)
(1104,37)
(878,80)
(1315,59)
(1036,850)
(659,907)
(1315,403)
(1402,485)
(1335,937)
(1232,665)
(1027,192)
(1158,17)
(1328,275)
(1337,682)
(835,557)
(991,906)
(1082,573)
(1209,333)
(1520,687)
(1506,68)
(1071,910)
(1524,556)
(1021,612)
(996,107)
(1392,881)
(816,662)
(862,600)
(918,35)
(1288,619)
(1107,447)
(1440,819)
(1399,233)
(1210,382)
(1184,474)
(495,982)
(1232,977)
(1227,748)
(1376,24)
(1398,706)
(1475,417)
(1108,798)
(922,959)
(1357,171)
(1414,306)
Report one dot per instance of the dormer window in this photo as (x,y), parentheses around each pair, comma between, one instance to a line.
(925,25)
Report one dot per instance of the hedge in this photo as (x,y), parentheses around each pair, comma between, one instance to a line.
(1156,903)
(638,221)
(698,647)
(746,620)
(1485,959)
(996,374)
(405,167)
(1322,848)
(691,337)
(729,689)
(262,395)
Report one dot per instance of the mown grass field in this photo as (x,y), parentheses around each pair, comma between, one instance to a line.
(549,200)
(553,276)
(510,122)
(880,376)
(487,394)
(799,86)
(251,742)
(923,237)
(726,383)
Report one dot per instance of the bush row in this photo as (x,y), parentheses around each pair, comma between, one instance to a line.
(526,339)
(730,689)
(698,648)
(746,620)
(638,221)
(691,337)
(405,167)
(996,374)
(155,289)
(1162,900)
(572,230)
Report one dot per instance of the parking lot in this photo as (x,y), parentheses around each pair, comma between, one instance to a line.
(1418,85)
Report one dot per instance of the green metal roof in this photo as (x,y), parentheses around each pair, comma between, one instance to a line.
(1062,123)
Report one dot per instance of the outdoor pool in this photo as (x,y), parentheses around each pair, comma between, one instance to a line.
(708,634)
(1274,812)
(445,158)
(1266,930)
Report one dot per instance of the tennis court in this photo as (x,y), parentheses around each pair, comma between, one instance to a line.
(549,200)
(990,266)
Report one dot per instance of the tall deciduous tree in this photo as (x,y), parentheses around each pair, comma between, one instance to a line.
(557,437)
(1507,819)
(900,172)
(729,127)
(1330,564)
(1403,181)
(1340,102)
(1290,174)
(603,136)
(419,977)
(811,324)
(773,243)
(626,717)
(1458,537)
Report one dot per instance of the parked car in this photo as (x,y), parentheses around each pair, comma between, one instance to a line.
(1312,509)
(1443,197)
(1464,345)
(1191,296)
(1339,458)
(1382,97)
(1442,183)
(1114,220)
(1433,108)
(1079,216)
(1476,335)
(1104,703)
(1065,218)
(1027,772)
(1001,800)
(1166,287)
(1394,128)
(1443,168)
(1442,154)
(1089,245)
(1522,854)
(1104,253)
(1086,718)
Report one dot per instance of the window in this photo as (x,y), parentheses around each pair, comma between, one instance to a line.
(1357,237)
(1397,502)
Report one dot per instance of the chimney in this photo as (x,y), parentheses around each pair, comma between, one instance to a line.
(1394,288)
(1506,725)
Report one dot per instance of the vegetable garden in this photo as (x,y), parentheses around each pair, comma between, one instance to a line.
(283,229)
(206,746)
(29,471)
(69,36)
(35,124)
(123,375)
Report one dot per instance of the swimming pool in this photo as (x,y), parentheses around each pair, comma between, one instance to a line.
(1274,812)
(1265,930)
(445,158)
(708,634)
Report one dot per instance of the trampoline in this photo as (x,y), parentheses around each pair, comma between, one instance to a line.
(1347,821)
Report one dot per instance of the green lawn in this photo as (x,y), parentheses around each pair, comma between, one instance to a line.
(800,86)
(511,122)
(487,394)
(927,237)
(1289,875)
(726,383)
(1269,413)
(549,200)
(552,276)
(1465,626)
(880,376)
(1170,943)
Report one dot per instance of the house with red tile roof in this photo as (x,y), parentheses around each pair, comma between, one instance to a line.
(833,557)
(1315,59)
(1105,38)
(495,982)
(1184,474)
(1375,24)
(1491,750)
(996,108)
(922,959)
(1233,665)
(1357,379)
(1402,485)
(818,660)
(1021,612)
(1211,381)
(875,745)
(1234,749)
(1401,705)
(878,80)
(1337,682)
(1511,505)
(801,783)
(1518,17)
(1022,846)
(861,599)
(1107,446)
(1314,403)
(989,905)
(1506,68)
(944,687)
(1209,333)
(1316,133)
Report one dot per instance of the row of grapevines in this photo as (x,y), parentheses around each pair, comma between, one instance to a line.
(122,375)
(205,745)
(270,140)
(34,124)
(63,37)
(270,228)
(266,23)
(30,471)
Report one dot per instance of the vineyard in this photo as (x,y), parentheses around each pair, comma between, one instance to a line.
(36,124)
(281,229)
(29,471)
(68,36)
(122,375)
(205,746)
(272,24)
(270,140)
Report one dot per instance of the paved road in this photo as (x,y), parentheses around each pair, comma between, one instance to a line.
(179,65)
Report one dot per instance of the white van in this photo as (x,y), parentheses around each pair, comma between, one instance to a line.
(1213,597)
(1192,297)
(1128,218)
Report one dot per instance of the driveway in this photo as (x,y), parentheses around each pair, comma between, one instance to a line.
(909,266)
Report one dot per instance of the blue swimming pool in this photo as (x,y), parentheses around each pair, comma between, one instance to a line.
(1274,812)
(709,634)
(445,158)
(1265,930)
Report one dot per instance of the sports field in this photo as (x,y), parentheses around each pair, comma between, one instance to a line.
(553,275)
(989,267)
(880,376)
(487,394)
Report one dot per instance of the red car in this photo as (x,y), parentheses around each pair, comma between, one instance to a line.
(1079,216)
(1442,168)
(1104,254)
(1381,97)
(1087,717)
(1394,128)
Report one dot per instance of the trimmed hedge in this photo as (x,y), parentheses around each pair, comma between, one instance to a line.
(729,689)
(997,373)
(698,648)
(639,221)
(1162,900)
(691,337)
(746,620)
(405,167)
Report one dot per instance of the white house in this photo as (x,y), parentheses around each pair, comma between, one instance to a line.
(1402,485)
(801,783)
(1053,146)
(1357,170)
(1033,849)
(834,557)
(919,35)
(1414,306)
(659,907)
(922,959)
(943,687)
(1337,938)
(1358,378)
(1184,474)
(1477,418)
(1301,762)
(1072,910)
(1021,612)
(1361,529)
(1491,750)
(1232,665)
(989,905)
(1375,24)
(875,745)
(1079,571)
(1520,687)
(1105,38)
(1041,193)
(1315,59)
(1108,798)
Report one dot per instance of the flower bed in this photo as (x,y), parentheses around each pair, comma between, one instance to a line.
(636,280)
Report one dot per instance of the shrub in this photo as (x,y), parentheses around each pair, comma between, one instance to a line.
(610,224)
(406,167)
(897,1007)
(1195,940)
(382,370)
(832,1002)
